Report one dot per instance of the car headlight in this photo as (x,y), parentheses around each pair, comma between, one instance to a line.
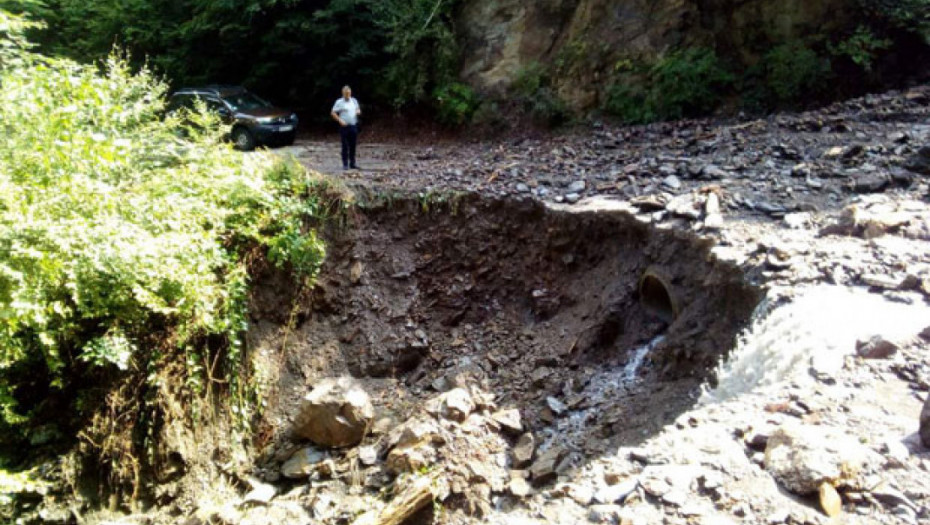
(264,120)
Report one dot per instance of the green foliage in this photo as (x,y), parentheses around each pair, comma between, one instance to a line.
(626,99)
(456,103)
(391,51)
(113,222)
(530,79)
(903,15)
(793,71)
(421,40)
(688,83)
(862,47)
(685,83)
(532,87)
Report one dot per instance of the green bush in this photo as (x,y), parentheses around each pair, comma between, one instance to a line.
(455,103)
(905,15)
(688,83)
(862,47)
(424,54)
(115,221)
(529,80)
(532,88)
(626,99)
(793,71)
(685,83)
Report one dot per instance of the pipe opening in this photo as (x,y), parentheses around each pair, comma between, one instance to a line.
(655,297)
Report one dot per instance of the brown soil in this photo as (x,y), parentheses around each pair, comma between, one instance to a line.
(526,299)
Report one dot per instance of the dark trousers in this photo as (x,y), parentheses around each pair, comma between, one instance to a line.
(349,136)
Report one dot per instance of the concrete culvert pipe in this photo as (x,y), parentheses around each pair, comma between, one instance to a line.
(657,297)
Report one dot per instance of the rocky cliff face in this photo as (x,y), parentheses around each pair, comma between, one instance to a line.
(584,40)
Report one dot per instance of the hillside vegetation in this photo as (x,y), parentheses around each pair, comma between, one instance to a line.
(406,54)
(125,238)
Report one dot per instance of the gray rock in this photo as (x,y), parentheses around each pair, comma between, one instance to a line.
(557,407)
(368,455)
(797,221)
(880,281)
(877,347)
(580,494)
(337,413)
(411,457)
(649,203)
(712,172)
(522,188)
(616,493)
(712,205)
(769,208)
(896,452)
(604,514)
(713,222)
(869,183)
(302,463)
(801,458)
(261,492)
(920,162)
(572,198)
(523,450)
(546,466)
(925,334)
(925,423)
(457,404)
(891,496)
(686,206)
(577,187)
(519,487)
(509,420)
(671,182)
(801,170)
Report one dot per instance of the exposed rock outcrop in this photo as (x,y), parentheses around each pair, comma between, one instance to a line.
(587,38)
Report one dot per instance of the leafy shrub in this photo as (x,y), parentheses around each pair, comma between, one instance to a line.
(793,71)
(456,103)
(906,15)
(532,87)
(688,83)
(423,49)
(685,83)
(114,222)
(530,80)
(862,47)
(626,99)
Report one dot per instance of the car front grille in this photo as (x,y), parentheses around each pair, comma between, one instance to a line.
(283,120)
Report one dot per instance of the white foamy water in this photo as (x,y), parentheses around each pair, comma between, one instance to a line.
(606,386)
(819,328)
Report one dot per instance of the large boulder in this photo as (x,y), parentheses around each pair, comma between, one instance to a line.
(337,413)
(920,162)
(802,458)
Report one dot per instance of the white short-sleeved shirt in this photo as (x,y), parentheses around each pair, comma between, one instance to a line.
(347,110)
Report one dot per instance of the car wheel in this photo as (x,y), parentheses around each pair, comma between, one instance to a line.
(243,140)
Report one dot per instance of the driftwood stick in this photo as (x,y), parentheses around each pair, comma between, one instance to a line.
(414,497)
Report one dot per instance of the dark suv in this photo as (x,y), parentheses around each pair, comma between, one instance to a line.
(253,120)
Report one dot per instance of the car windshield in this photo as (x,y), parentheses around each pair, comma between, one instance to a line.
(245,101)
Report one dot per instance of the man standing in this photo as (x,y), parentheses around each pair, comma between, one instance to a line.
(346,112)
